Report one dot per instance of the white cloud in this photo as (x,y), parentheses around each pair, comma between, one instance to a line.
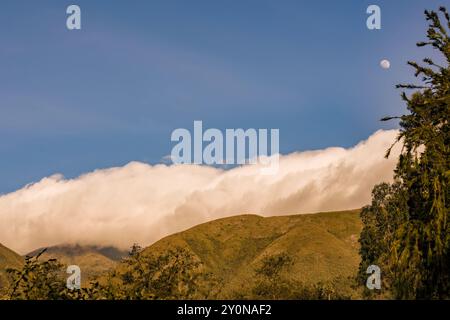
(142,203)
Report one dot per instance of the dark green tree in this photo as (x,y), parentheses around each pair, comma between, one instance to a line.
(406,229)
(381,220)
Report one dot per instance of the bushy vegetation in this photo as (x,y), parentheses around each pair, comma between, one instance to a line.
(173,275)
(41,280)
(407,227)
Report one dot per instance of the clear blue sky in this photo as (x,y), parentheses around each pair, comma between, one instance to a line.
(75,101)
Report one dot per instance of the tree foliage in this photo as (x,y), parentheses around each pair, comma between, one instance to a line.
(406,228)
(42,280)
(175,274)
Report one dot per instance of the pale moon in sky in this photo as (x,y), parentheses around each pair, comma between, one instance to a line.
(385,64)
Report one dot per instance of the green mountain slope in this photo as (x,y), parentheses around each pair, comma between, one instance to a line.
(8,259)
(92,260)
(323,247)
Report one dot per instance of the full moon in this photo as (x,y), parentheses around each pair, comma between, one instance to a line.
(385,64)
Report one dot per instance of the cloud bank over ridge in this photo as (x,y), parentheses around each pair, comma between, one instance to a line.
(142,203)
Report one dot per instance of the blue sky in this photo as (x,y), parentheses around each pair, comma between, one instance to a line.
(111,93)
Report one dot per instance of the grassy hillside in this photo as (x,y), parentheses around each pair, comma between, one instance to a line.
(92,260)
(8,259)
(323,247)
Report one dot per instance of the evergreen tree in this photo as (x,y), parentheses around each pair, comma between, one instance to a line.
(414,251)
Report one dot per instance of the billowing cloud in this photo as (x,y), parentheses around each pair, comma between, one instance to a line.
(142,203)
